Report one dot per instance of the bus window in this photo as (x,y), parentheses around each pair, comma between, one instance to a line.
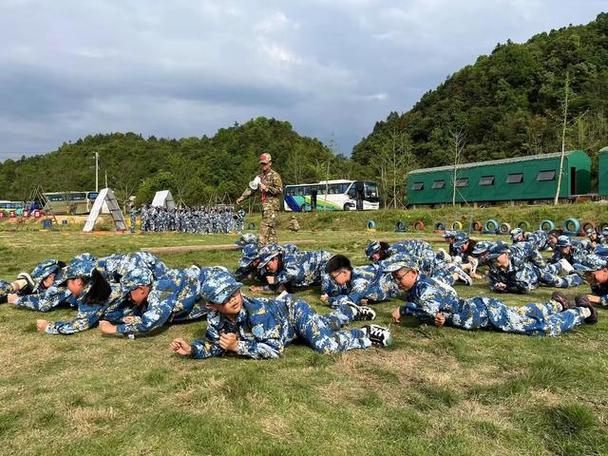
(371,191)
(92,195)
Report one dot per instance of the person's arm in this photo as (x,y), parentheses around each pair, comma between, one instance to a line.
(158,311)
(246,194)
(47,300)
(87,317)
(210,346)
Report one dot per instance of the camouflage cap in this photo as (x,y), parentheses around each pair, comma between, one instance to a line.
(267,253)
(590,231)
(564,241)
(134,278)
(250,253)
(372,247)
(402,262)
(265,158)
(44,269)
(498,249)
(482,247)
(449,234)
(81,266)
(516,233)
(217,288)
(605,231)
(246,239)
(460,239)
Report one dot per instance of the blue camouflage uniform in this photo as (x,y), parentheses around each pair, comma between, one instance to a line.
(173,297)
(595,262)
(577,253)
(40,272)
(264,327)
(523,273)
(113,267)
(299,268)
(58,293)
(429,296)
(366,282)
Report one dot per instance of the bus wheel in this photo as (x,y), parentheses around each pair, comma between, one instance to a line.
(347,207)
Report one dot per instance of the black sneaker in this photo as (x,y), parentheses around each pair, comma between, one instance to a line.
(362,313)
(379,335)
(561,298)
(583,301)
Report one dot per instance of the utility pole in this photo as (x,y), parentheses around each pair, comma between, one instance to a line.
(106,179)
(565,124)
(97,171)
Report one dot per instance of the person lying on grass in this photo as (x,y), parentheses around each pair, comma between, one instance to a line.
(262,328)
(95,298)
(27,290)
(343,283)
(433,301)
(595,270)
(286,270)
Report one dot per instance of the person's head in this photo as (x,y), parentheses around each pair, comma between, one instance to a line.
(461,242)
(517,235)
(136,284)
(376,250)
(564,244)
(449,236)
(591,234)
(594,267)
(270,258)
(499,254)
(553,236)
(223,293)
(45,273)
(47,282)
(339,269)
(265,162)
(76,286)
(405,273)
(78,274)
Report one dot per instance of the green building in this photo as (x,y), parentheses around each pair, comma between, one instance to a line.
(513,179)
(603,172)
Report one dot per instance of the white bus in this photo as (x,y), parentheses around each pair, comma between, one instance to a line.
(332,195)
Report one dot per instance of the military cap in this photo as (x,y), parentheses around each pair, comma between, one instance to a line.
(498,249)
(134,278)
(219,287)
(482,247)
(250,253)
(81,266)
(564,241)
(460,239)
(401,263)
(516,233)
(267,253)
(372,247)
(246,238)
(46,268)
(448,234)
(265,158)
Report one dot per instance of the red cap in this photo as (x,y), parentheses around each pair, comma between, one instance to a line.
(265,158)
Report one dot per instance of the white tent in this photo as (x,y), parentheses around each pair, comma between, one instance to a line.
(107,199)
(163,199)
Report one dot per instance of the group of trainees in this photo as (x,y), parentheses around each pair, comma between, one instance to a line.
(136,293)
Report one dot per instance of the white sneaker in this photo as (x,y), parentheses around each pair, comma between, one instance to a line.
(379,335)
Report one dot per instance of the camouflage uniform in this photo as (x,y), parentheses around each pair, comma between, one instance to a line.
(595,262)
(428,297)
(299,268)
(264,327)
(366,282)
(176,296)
(40,272)
(271,204)
(523,273)
(115,266)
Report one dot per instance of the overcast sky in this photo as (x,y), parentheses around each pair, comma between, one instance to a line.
(179,68)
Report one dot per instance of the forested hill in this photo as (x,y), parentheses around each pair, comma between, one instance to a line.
(509,103)
(195,169)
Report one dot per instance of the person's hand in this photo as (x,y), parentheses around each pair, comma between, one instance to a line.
(439,319)
(41,325)
(256,288)
(396,314)
(363,302)
(500,286)
(324,297)
(130,319)
(239,200)
(229,341)
(12,298)
(271,279)
(181,347)
(263,187)
(106,327)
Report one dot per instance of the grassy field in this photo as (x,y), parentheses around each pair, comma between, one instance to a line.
(435,391)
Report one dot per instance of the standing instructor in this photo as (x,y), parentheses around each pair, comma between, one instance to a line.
(270,185)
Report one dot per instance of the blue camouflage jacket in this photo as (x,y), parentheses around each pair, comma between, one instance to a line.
(428,297)
(302,269)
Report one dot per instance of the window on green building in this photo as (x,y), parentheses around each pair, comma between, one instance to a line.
(463,182)
(486,180)
(546,175)
(439,184)
(418,186)
(515,178)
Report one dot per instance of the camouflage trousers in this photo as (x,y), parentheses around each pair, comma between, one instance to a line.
(5,289)
(322,332)
(531,319)
(268,227)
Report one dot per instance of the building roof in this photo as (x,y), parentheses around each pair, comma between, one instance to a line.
(492,162)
